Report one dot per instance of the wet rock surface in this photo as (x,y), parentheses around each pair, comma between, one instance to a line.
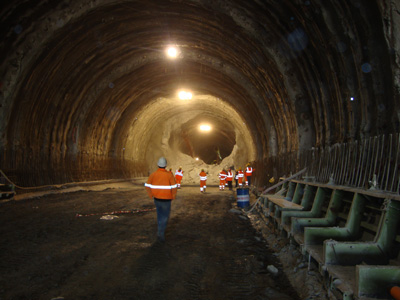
(47,252)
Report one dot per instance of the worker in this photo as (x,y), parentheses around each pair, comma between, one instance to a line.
(161,186)
(178,177)
(222,178)
(236,178)
(229,178)
(248,172)
(240,176)
(203,178)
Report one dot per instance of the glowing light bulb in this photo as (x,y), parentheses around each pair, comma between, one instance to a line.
(172,52)
(184,95)
(205,127)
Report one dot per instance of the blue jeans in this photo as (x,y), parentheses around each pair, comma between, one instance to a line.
(163,211)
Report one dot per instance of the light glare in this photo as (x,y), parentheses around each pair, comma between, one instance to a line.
(205,127)
(183,95)
(172,52)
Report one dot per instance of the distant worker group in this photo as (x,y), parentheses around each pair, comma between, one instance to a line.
(162,185)
(226,178)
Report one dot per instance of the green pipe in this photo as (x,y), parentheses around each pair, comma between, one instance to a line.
(298,224)
(379,252)
(315,211)
(316,236)
(376,281)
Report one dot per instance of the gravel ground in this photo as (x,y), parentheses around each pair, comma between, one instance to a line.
(213,250)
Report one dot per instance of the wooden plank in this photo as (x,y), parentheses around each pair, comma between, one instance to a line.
(346,275)
(285,204)
(274,196)
(372,193)
(316,252)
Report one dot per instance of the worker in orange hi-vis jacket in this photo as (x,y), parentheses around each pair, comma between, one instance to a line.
(203,179)
(222,179)
(178,177)
(162,187)
(248,172)
(240,176)
(229,178)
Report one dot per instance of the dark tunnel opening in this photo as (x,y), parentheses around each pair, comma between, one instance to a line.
(206,139)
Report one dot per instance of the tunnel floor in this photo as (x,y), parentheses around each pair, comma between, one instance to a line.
(210,252)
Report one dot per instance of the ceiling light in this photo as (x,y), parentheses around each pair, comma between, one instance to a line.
(184,95)
(205,127)
(172,52)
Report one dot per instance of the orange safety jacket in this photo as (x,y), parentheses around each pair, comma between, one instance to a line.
(222,175)
(249,171)
(161,185)
(229,177)
(203,176)
(240,176)
(179,173)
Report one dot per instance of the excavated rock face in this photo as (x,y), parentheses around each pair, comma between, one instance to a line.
(87,91)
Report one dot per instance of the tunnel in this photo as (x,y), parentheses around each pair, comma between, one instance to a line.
(96,90)
(89,93)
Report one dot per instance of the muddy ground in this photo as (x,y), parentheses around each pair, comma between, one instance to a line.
(212,250)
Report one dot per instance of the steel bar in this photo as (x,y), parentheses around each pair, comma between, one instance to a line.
(396,155)
(337,167)
(362,163)
(375,158)
(368,162)
(350,166)
(396,167)
(381,157)
(347,158)
(332,162)
(326,164)
(343,163)
(388,160)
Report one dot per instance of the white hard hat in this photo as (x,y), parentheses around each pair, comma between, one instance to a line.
(162,162)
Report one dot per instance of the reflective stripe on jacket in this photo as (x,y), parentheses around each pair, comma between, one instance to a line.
(203,176)
(179,173)
(249,171)
(161,185)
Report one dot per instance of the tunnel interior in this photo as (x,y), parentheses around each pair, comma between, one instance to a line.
(88,91)
(210,144)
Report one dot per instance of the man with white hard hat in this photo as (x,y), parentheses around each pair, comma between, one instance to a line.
(162,187)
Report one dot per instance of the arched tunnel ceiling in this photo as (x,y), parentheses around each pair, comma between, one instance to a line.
(76,76)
